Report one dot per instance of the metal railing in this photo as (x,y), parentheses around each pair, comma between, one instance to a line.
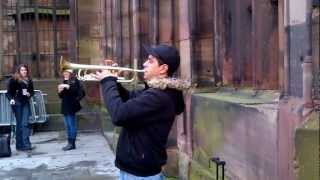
(6,116)
(37,107)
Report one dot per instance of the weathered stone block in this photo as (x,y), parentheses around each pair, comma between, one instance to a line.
(240,127)
(307,149)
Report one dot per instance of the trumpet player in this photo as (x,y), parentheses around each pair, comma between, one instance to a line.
(146,116)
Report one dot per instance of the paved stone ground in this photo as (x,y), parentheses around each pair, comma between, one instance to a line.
(92,160)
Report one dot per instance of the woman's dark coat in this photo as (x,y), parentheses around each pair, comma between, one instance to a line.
(70,97)
(14,90)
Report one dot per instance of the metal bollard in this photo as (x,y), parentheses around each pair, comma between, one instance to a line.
(218,163)
(222,163)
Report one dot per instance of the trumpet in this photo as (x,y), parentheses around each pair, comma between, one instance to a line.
(84,76)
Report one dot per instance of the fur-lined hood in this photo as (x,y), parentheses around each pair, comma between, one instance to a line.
(173,83)
(174,87)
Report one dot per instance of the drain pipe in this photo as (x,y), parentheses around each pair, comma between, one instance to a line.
(307,78)
(1,45)
(307,65)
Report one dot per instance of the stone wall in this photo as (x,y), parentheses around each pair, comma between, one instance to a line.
(315,51)
(239,129)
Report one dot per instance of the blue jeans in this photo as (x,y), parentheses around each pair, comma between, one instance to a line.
(22,113)
(126,176)
(71,125)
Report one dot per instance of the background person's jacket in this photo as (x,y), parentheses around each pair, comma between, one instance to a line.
(14,90)
(146,117)
(70,103)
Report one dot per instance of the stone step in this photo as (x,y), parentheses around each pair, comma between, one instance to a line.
(48,87)
(86,122)
(53,107)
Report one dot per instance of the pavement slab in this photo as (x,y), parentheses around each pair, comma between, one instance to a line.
(92,160)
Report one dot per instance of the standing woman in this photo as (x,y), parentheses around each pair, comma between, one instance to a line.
(19,92)
(68,91)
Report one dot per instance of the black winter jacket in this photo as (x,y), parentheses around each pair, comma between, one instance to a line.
(14,90)
(70,103)
(146,117)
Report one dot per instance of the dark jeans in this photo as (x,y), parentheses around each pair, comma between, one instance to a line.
(22,113)
(71,125)
(127,176)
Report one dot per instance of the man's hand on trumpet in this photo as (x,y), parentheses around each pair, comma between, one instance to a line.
(106,73)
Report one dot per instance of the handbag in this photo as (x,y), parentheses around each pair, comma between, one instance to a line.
(5,137)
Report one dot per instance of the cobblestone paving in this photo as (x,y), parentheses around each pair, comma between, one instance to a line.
(92,160)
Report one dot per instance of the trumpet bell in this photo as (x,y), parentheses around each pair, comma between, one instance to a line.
(63,64)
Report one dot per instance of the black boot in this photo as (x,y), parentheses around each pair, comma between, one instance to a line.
(73,142)
(71,145)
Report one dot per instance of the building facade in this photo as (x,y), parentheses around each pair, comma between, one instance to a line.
(254,66)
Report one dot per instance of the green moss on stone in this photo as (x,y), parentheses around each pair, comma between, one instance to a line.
(307,154)
(243,96)
(313,121)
